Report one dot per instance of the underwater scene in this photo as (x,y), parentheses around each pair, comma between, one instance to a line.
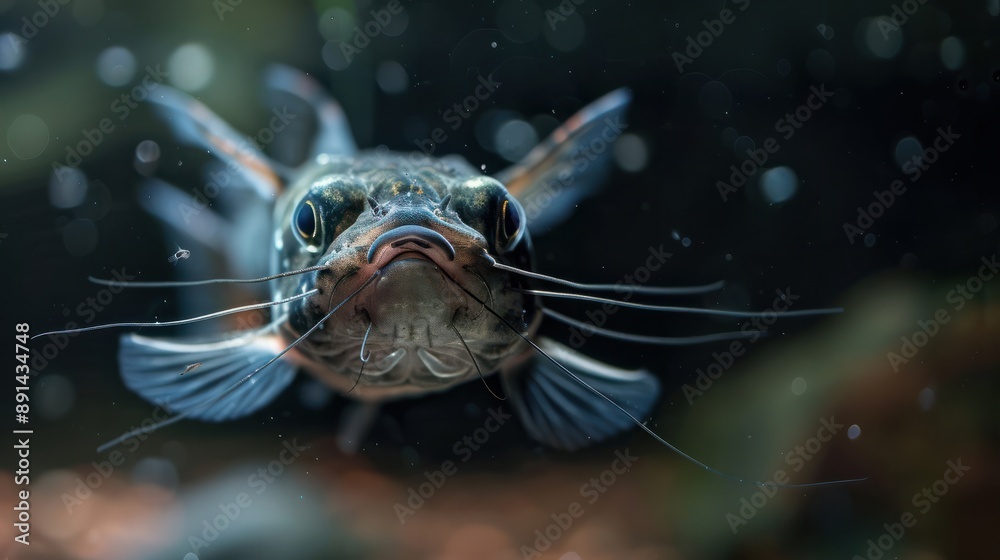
(505,280)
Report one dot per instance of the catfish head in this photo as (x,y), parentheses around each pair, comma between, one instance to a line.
(425,238)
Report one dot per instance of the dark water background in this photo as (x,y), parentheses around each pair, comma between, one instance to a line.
(893,89)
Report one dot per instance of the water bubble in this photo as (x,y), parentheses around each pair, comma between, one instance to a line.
(742,146)
(820,65)
(67,188)
(729,257)
(952,53)
(906,149)
(12,50)
(854,431)
(779,184)
(729,136)
(825,31)
(686,242)
(27,136)
(334,57)
(799,386)
(391,77)
(191,67)
(631,153)
(870,240)
(147,151)
(116,66)
(715,100)
(514,139)
(397,24)
(493,44)
(336,24)
(882,37)
(784,66)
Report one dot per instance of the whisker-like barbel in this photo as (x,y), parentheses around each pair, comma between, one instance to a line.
(676,309)
(642,425)
(178,322)
(364,341)
(646,339)
(475,363)
(651,290)
(181,284)
(245,378)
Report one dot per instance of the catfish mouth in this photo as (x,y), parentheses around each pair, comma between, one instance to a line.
(411,242)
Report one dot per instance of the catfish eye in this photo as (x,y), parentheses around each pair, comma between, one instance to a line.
(509,224)
(307,221)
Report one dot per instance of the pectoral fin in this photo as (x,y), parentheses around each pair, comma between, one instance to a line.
(560,412)
(568,165)
(157,369)
(196,124)
(333,132)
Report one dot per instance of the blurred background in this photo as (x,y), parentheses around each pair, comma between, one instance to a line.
(874,128)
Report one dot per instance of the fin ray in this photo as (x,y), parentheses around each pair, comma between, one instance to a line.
(556,174)
(562,413)
(196,124)
(152,368)
(334,132)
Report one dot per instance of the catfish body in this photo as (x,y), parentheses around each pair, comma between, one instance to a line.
(388,279)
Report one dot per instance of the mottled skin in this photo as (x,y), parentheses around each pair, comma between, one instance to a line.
(416,305)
